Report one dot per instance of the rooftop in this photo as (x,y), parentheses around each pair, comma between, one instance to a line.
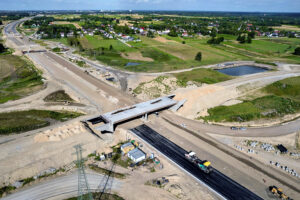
(136,153)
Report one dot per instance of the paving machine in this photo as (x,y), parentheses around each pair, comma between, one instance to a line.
(204,165)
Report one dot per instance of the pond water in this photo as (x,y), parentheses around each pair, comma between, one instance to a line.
(132,64)
(242,70)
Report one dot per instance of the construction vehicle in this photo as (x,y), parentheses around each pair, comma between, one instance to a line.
(204,165)
(279,192)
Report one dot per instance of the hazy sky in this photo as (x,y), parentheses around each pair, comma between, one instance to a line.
(199,5)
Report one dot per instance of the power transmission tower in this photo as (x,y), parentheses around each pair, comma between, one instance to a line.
(105,184)
(83,186)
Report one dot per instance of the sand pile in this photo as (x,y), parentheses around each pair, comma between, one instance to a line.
(204,97)
(60,133)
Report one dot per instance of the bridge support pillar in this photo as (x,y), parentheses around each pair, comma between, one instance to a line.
(145,117)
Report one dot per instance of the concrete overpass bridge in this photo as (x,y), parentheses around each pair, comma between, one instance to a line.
(108,121)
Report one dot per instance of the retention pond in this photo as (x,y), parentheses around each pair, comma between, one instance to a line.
(242,70)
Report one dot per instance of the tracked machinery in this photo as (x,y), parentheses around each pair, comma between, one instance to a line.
(203,165)
(279,193)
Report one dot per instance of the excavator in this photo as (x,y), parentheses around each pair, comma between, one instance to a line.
(279,193)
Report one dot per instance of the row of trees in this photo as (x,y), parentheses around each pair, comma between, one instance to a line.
(54,31)
(243,38)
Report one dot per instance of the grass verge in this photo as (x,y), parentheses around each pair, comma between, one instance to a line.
(21,79)
(58,96)
(283,97)
(107,172)
(21,121)
(201,75)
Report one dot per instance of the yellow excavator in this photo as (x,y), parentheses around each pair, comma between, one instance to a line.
(279,193)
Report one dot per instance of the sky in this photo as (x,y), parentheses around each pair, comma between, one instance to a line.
(195,5)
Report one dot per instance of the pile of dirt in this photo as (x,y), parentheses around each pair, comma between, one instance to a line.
(160,86)
(201,98)
(60,133)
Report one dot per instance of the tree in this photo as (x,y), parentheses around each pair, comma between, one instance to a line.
(1,22)
(2,48)
(198,56)
(213,33)
(297,51)
(173,33)
(242,39)
(215,40)
(249,40)
(150,34)
(111,47)
(251,35)
(183,42)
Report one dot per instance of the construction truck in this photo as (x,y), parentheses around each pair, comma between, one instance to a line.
(204,165)
(279,192)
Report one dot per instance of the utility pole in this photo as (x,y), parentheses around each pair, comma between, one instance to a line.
(83,186)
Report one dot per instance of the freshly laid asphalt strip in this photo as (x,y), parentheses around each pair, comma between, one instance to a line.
(222,184)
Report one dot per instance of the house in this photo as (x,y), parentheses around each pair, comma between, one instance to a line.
(62,35)
(136,155)
(125,148)
(185,34)
(71,34)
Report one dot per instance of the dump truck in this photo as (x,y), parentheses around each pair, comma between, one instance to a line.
(204,165)
(279,192)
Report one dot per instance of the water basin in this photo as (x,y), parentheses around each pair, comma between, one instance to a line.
(242,70)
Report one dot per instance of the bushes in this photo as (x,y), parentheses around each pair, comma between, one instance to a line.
(297,51)
(214,40)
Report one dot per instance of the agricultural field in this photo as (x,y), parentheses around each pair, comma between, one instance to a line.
(281,98)
(18,78)
(170,53)
(287,27)
(156,54)
(21,121)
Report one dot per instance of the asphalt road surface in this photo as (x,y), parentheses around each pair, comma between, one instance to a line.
(219,182)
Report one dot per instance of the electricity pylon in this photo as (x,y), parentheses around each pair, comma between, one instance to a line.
(83,185)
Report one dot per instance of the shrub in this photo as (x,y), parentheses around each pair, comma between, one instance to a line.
(297,51)
(198,56)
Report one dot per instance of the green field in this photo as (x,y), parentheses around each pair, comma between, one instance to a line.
(18,78)
(283,97)
(287,88)
(21,121)
(201,75)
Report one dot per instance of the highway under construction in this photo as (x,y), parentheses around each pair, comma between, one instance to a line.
(216,181)
(100,94)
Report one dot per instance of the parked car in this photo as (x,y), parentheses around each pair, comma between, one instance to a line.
(234,128)
(243,128)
